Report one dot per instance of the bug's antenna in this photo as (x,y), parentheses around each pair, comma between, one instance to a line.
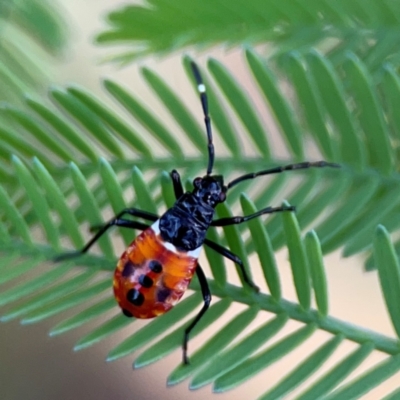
(203,97)
(277,170)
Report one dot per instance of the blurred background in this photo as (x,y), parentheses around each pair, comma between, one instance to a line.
(35,366)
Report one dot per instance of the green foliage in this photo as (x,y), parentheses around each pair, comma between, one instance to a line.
(342,101)
(369,29)
(32,33)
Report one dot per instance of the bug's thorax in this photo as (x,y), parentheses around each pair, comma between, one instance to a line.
(186,223)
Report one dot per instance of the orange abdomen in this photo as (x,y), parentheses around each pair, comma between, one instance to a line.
(150,279)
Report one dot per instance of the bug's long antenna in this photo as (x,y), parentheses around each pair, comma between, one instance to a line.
(203,97)
(277,170)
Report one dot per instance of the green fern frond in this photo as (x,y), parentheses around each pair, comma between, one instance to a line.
(370,30)
(235,363)
(46,198)
(31,32)
(367,149)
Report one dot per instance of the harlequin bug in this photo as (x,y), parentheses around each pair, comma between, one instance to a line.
(155,270)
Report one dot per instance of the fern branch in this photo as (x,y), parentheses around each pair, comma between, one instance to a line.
(371,31)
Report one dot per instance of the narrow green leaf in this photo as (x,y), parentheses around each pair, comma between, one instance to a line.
(115,195)
(46,297)
(39,203)
(14,217)
(326,196)
(391,88)
(178,110)
(174,340)
(242,106)
(370,115)
(4,235)
(311,106)
(317,270)
(90,207)
(334,98)
(26,288)
(103,331)
(156,328)
(272,188)
(218,342)
(78,140)
(54,194)
(363,228)
(75,298)
(235,355)
(167,189)
(216,260)
(131,137)
(263,248)
(256,364)
(17,269)
(7,260)
(332,229)
(14,144)
(298,259)
(235,242)
(395,395)
(144,199)
(145,117)
(39,132)
(268,84)
(297,197)
(89,120)
(389,274)
(337,374)
(83,317)
(368,380)
(303,370)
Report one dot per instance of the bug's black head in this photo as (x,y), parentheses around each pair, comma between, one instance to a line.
(210,189)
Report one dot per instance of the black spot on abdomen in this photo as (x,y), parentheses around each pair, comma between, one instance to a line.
(135,297)
(128,269)
(163,294)
(145,281)
(127,313)
(155,266)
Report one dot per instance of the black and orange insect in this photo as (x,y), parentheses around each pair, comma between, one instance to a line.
(157,267)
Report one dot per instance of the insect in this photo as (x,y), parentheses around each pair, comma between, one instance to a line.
(155,270)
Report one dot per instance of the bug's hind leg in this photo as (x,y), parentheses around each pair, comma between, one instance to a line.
(233,257)
(205,290)
(125,223)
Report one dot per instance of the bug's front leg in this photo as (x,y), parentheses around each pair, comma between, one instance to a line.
(239,220)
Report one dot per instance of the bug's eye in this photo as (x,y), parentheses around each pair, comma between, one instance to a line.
(197,182)
(222,197)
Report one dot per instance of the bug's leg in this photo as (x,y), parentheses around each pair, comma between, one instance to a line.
(239,220)
(233,257)
(125,223)
(176,181)
(277,170)
(205,290)
(131,211)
